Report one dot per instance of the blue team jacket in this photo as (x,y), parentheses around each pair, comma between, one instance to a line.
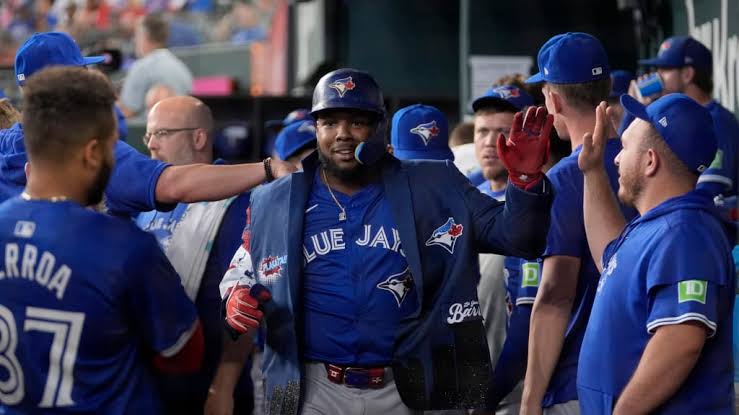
(441,357)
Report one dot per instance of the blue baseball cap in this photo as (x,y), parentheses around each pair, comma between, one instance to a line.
(420,132)
(620,81)
(571,58)
(299,114)
(294,137)
(507,95)
(685,125)
(679,51)
(48,49)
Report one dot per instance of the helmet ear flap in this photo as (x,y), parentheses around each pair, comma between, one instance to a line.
(348,89)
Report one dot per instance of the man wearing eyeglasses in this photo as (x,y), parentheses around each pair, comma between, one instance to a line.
(137,183)
(199,239)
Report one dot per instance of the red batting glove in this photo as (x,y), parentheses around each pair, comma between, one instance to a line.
(527,147)
(242,307)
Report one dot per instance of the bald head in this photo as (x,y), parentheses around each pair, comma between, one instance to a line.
(179,131)
(157,93)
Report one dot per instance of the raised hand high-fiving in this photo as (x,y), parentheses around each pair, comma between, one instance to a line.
(594,144)
(527,148)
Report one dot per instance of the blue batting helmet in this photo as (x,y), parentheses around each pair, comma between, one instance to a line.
(348,89)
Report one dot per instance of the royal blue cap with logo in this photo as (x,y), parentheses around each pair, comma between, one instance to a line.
(620,81)
(299,114)
(571,58)
(509,96)
(685,125)
(420,132)
(49,49)
(680,51)
(294,137)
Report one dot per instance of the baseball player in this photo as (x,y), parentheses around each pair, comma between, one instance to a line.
(199,240)
(372,282)
(138,184)
(82,321)
(686,65)
(659,340)
(575,72)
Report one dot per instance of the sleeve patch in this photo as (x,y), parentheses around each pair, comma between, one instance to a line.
(692,290)
(530,274)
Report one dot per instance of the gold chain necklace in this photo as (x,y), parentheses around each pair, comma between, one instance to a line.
(26,196)
(342,214)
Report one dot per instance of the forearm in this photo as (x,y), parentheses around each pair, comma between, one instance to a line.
(511,365)
(665,364)
(204,182)
(602,217)
(233,359)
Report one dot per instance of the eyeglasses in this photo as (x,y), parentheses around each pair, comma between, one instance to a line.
(163,133)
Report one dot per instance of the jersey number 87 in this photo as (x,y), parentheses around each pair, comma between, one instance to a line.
(67,328)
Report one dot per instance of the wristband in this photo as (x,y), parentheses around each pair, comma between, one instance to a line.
(268,169)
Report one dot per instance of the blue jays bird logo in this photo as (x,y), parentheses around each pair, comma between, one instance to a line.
(446,235)
(399,285)
(307,127)
(508,91)
(342,85)
(426,131)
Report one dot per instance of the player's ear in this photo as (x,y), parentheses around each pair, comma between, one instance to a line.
(200,139)
(651,162)
(93,154)
(687,74)
(555,101)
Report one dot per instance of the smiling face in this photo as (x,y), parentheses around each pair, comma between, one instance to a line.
(339,132)
(488,125)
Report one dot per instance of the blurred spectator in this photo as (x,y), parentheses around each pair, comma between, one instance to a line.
(461,142)
(241,25)
(156,65)
(8,46)
(157,93)
(8,114)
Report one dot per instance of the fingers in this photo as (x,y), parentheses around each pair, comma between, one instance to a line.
(601,122)
(612,118)
(517,125)
(260,293)
(501,146)
(587,143)
(546,129)
(530,121)
(539,120)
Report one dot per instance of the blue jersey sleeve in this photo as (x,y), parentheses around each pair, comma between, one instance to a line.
(567,232)
(132,186)
(159,305)
(720,177)
(689,300)
(529,282)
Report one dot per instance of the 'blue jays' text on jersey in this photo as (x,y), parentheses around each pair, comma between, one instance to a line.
(670,266)
(567,237)
(80,314)
(132,185)
(187,391)
(357,285)
(721,174)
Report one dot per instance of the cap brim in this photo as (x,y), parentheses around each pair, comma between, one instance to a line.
(634,107)
(424,155)
(93,60)
(656,62)
(537,77)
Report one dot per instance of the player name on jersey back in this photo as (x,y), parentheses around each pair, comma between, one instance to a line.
(26,262)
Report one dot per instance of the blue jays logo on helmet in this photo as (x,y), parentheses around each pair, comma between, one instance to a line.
(664,47)
(399,285)
(426,131)
(446,235)
(342,85)
(507,91)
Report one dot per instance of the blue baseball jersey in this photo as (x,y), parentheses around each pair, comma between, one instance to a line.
(671,266)
(132,185)
(485,188)
(720,177)
(185,391)
(80,312)
(522,278)
(567,237)
(357,284)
